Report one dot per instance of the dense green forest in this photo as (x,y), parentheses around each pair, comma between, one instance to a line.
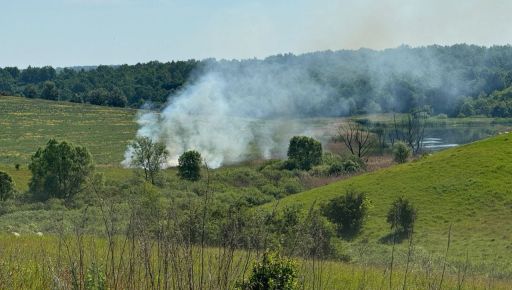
(119,86)
(458,80)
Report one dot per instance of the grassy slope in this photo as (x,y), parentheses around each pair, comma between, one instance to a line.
(27,124)
(469,187)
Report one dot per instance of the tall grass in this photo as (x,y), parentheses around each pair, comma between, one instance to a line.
(168,247)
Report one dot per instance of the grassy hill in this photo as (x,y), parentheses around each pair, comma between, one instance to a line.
(469,187)
(26,124)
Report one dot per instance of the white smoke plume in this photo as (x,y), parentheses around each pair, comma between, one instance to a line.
(234,111)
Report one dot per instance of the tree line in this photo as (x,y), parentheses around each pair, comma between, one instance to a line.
(458,80)
(118,86)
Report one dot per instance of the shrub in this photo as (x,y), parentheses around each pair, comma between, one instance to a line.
(189,166)
(352,162)
(289,165)
(402,215)
(317,236)
(336,169)
(292,185)
(401,152)
(330,159)
(333,163)
(274,175)
(6,186)
(252,196)
(348,212)
(270,189)
(305,151)
(320,170)
(350,166)
(272,273)
(244,177)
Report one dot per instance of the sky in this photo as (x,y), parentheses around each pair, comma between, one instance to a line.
(92,32)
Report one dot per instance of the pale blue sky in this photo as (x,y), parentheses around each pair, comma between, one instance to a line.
(91,32)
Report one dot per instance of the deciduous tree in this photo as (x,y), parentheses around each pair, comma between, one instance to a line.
(148,155)
(59,170)
(6,186)
(306,152)
(189,166)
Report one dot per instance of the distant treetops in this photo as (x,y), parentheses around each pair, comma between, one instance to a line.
(458,80)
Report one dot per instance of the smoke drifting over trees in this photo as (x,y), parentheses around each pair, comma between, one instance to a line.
(231,109)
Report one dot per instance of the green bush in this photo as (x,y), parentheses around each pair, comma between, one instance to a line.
(336,169)
(350,166)
(272,273)
(348,212)
(270,189)
(402,215)
(401,152)
(306,152)
(317,237)
(55,204)
(289,165)
(245,177)
(334,165)
(329,158)
(292,185)
(6,186)
(352,163)
(189,166)
(320,170)
(253,197)
(274,175)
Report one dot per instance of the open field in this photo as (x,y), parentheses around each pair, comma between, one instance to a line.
(27,124)
(468,187)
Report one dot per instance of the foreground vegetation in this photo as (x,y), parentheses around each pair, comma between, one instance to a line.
(33,262)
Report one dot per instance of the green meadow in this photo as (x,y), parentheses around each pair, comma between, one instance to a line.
(468,188)
(27,124)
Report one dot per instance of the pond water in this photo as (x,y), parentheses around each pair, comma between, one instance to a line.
(446,136)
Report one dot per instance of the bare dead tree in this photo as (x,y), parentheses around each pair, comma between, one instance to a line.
(357,138)
(411,129)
